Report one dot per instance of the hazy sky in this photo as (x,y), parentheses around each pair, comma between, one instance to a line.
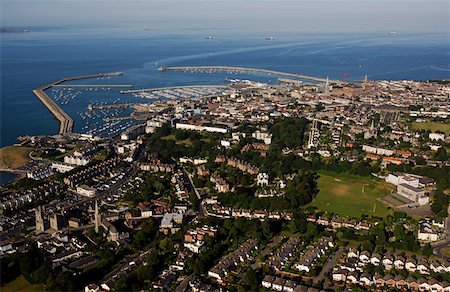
(271,15)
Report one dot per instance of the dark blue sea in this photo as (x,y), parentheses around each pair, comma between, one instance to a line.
(45,54)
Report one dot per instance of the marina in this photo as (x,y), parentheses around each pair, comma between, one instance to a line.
(66,122)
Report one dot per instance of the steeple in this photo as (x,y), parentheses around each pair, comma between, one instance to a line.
(96,217)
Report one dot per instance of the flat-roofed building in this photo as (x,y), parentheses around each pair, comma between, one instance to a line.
(417,195)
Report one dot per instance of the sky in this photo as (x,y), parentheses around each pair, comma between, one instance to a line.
(430,16)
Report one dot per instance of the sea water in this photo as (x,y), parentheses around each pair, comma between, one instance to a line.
(45,54)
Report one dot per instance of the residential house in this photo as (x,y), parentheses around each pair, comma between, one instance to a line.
(339,275)
(400,282)
(353,278)
(376,259)
(413,285)
(399,262)
(267,281)
(410,264)
(423,284)
(388,261)
(366,279)
(365,257)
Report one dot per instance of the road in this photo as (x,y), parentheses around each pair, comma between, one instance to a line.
(202,213)
(183,285)
(130,264)
(437,247)
(331,262)
(268,249)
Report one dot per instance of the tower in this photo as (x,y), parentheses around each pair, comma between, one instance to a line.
(41,224)
(96,218)
(56,221)
(327,86)
(365,81)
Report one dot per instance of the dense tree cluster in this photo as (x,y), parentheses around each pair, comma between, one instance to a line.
(35,270)
(183,143)
(299,191)
(289,132)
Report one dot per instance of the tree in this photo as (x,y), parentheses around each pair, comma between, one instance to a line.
(252,279)
(440,203)
(311,231)
(164,244)
(63,282)
(441,154)
(427,250)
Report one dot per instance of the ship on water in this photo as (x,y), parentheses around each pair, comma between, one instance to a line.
(392,33)
(209,37)
(269,38)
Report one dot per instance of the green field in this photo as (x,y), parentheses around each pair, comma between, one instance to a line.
(20,284)
(433,127)
(13,156)
(351,195)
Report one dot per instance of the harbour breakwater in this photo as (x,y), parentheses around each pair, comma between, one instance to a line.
(244,70)
(66,121)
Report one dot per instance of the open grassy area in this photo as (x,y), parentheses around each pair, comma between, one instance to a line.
(351,195)
(172,137)
(446,251)
(13,156)
(433,127)
(20,284)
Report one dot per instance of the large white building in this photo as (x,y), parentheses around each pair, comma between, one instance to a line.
(378,151)
(86,191)
(263,136)
(427,235)
(132,132)
(436,136)
(76,160)
(201,128)
(397,178)
(62,167)
(417,195)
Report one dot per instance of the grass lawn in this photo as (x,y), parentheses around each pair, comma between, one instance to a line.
(187,142)
(433,127)
(20,284)
(351,195)
(13,156)
(446,251)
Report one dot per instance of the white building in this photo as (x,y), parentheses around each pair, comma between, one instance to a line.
(417,195)
(195,247)
(201,128)
(262,179)
(436,136)
(397,178)
(132,132)
(378,151)
(76,160)
(225,143)
(86,191)
(263,136)
(62,167)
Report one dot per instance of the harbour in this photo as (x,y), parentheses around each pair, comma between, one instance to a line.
(66,122)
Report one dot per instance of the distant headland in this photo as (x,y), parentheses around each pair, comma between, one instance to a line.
(13,30)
